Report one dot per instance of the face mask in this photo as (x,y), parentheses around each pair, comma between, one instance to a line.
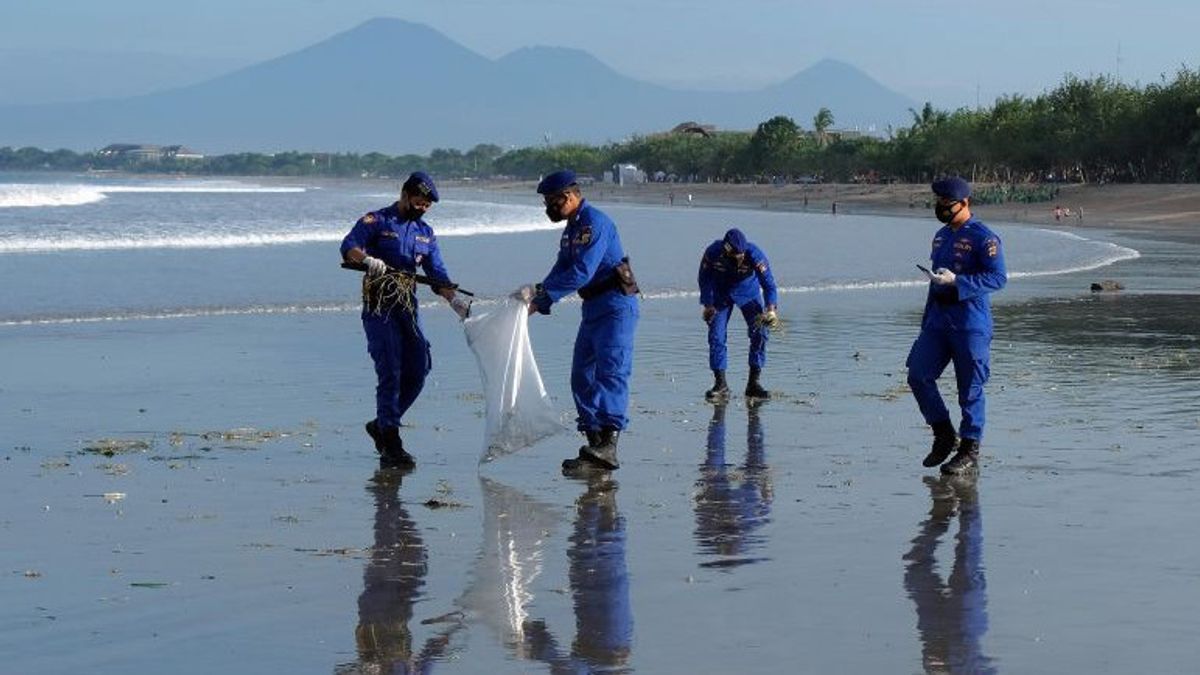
(412,213)
(554,209)
(945,214)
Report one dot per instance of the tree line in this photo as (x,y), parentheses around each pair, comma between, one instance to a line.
(1087,130)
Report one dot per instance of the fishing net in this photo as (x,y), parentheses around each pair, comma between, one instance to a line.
(384,293)
(519,411)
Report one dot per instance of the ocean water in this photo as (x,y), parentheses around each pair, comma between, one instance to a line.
(167,248)
(202,332)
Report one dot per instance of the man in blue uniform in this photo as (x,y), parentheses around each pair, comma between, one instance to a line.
(392,243)
(967,267)
(592,262)
(735,273)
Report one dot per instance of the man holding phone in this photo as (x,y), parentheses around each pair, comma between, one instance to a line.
(967,263)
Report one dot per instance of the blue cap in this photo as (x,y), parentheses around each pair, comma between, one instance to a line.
(952,188)
(420,184)
(735,241)
(556,182)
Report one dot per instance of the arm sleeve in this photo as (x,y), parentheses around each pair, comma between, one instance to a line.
(707,282)
(432,264)
(766,279)
(992,275)
(362,232)
(574,270)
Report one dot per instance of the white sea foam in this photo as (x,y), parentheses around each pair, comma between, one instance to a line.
(29,195)
(112,241)
(116,242)
(179,313)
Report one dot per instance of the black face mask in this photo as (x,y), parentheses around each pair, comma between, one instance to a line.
(945,214)
(554,209)
(413,213)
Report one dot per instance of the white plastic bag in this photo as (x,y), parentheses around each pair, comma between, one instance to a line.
(519,411)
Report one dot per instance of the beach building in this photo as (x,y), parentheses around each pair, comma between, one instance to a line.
(628,174)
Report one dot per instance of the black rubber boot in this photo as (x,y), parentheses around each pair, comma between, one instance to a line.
(593,439)
(753,388)
(944,440)
(965,461)
(720,390)
(376,435)
(393,454)
(605,453)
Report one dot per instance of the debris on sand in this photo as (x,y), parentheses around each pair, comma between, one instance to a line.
(435,503)
(116,446)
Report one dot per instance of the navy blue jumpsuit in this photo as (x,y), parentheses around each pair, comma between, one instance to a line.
(957,324)
(726,283)
(588,253)
(394,339)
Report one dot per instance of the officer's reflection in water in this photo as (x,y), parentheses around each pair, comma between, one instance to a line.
(392,581)
(733,504)
(599,588)
(951,614)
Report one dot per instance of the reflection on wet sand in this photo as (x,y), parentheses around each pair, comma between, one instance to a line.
(516,530)
(392,581)
(951,614)
(599,589)
(732,505)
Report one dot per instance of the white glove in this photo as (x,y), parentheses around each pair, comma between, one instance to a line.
(461,307)
(943,277)
(524,293)
(375,266)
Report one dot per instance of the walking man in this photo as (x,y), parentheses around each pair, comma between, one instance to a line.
(968,266)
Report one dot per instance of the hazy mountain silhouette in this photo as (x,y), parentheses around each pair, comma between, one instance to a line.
(394,86)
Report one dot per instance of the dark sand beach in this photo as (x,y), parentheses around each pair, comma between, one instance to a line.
(193,492)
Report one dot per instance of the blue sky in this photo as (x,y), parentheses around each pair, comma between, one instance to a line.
(948,52)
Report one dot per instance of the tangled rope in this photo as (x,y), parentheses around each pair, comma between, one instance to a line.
(390,290)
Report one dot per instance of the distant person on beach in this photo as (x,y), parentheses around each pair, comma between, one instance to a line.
(1058,213)
(592,262)
(735,273)
(392,242)
(968,266)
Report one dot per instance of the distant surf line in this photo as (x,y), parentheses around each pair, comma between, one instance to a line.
(34,195)
(115,242)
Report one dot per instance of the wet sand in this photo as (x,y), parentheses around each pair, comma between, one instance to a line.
(198,495)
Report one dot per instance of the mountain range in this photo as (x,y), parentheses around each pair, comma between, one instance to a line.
(393,86)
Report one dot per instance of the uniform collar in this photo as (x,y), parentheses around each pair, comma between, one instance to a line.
(574,218)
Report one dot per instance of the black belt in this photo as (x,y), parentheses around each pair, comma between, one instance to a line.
(597,289)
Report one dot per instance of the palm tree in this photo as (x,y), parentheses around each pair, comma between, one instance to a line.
(821,124)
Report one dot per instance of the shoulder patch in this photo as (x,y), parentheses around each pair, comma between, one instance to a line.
(993,247)
(761,267)
(370,219)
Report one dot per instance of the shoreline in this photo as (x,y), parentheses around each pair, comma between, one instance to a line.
(1170,211)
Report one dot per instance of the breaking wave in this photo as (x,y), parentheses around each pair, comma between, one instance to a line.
(32,195)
